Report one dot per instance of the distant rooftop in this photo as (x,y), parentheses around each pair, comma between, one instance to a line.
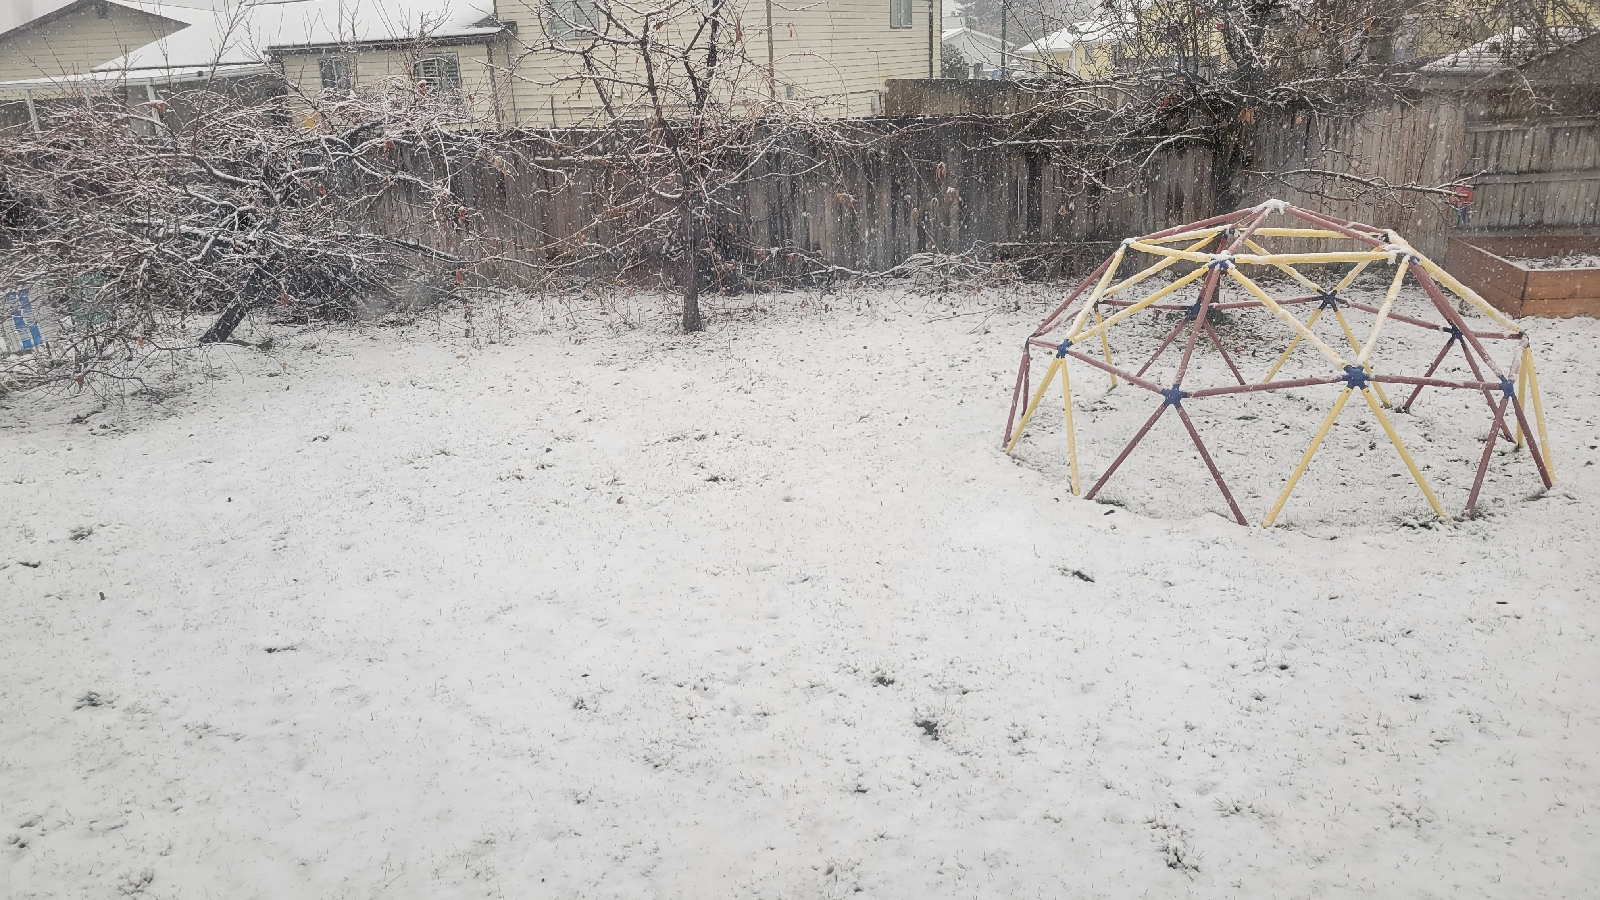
(1506,52)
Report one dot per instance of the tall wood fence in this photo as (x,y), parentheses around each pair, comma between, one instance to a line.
(909,185)
(819,203)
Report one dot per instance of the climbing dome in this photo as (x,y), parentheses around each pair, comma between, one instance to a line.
(1310,261)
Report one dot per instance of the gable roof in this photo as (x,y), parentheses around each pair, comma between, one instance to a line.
(1507,52)
(326,23)
(231,38)
(1077,33)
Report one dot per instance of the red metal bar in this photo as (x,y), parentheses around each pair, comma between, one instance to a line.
(1050,320)
(1167,341)
(1107,367)
(1533,443)
(1406,407)
(1346,229)
(1203,223)
(1018,391)
(1207,291)
(1488,451)
(1248,232)
(1125,451)
(1432,326)
(1264,386)
(1478,374)
(1433,382)
(1215,474)
(1450,314)
(1217,342)
(1103,366)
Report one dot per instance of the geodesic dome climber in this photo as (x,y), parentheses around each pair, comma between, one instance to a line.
(1235,251)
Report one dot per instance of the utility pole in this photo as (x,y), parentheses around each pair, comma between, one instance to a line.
(1005,56)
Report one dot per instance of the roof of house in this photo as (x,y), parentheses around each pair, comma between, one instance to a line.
(1077,33)
(223,38)
(951,34)
(1506,51)
(337,22)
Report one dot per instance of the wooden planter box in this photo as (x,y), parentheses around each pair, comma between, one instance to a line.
(1517,290)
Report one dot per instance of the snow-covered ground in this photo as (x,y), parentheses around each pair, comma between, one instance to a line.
(607,612)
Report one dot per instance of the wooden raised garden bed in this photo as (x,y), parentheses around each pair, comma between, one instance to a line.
(1521,290)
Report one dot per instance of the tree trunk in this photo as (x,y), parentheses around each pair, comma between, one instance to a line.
(232,315)
(223,327)
(692,320)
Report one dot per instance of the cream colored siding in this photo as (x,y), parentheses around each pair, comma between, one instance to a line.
(836,54)
(842,52)
(375,68)
(839,53)
(79,41)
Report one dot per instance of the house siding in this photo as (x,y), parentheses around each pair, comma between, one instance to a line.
(79,41)
(838,54)
(481,90)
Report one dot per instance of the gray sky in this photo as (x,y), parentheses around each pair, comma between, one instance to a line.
(15,12)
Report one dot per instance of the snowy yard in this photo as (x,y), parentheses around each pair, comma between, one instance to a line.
(607,612)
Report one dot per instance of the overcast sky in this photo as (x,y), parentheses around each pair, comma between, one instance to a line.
(15,12)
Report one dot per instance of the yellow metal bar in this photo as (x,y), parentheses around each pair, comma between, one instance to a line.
(1134,279)
(1105,344)
(1382,315)
(1350,335)
(1284,267)
(1466,293)
(1290,320)
(1313,258)
(1305,461)
(1538,418)
(1127,311)
(1034,403)
(1411,464)
(1207,233)
(1350,277)
(1522,394)
(1290,349)
(1158,250)
(1298,232)
(1072,435)
(1099,291)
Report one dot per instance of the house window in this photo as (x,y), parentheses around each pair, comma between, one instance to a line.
(440,73)
(900,14)
(572,19)
(336,74)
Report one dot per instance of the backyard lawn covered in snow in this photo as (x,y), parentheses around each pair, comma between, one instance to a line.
(595,610)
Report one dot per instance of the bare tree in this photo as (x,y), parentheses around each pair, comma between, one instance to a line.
(131,220)
(683,111)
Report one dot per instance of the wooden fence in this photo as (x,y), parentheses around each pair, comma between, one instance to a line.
(908,185)
(822,204)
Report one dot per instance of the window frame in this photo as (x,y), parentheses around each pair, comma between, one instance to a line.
(447,81)
(566,20)
(344,73)
(902,14)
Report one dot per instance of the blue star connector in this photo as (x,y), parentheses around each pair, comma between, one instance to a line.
(1061,350)
(1330,300)
(1356,378)
(1173,396)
